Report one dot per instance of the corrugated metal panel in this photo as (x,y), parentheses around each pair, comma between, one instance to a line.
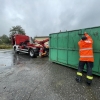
(62,47)
(53,47)
(73,56)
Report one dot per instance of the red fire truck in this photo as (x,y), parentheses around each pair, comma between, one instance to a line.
(23,43)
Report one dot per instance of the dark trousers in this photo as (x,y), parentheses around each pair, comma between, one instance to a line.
(89,66)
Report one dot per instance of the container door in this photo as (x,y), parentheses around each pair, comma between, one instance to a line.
(53,47)
(63,47)
(73,50)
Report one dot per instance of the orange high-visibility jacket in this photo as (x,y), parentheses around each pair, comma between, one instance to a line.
(85,49)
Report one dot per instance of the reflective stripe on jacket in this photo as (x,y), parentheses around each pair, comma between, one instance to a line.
(85,49)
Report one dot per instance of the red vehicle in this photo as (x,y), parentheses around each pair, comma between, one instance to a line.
(44,50)
(23,43)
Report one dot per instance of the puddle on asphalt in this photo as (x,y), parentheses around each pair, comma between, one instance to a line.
(9,58)
(5,59)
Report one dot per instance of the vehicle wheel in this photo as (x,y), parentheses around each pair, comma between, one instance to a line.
(31,53)
(16,51)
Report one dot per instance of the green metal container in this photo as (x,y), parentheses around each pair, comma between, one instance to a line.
(64,47)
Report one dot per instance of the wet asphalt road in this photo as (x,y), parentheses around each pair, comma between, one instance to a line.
(25,78)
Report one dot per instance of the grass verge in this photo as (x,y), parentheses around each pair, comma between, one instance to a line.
(5,46)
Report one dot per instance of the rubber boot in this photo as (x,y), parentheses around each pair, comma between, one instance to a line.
(88,82)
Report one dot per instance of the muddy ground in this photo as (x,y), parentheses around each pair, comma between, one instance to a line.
(25,78)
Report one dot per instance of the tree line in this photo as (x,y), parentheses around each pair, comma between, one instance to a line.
(4,39)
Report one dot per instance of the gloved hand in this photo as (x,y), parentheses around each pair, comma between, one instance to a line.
(84,37)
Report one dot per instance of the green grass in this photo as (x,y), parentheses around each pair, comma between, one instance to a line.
(5,46)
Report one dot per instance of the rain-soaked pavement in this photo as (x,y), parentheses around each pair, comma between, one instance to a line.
(25,78)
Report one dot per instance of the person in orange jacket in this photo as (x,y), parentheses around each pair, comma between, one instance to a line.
(86,57)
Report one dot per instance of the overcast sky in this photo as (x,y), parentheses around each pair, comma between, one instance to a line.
(43,17)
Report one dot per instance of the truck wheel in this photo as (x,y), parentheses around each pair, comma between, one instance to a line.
(31,53)
(15,51)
